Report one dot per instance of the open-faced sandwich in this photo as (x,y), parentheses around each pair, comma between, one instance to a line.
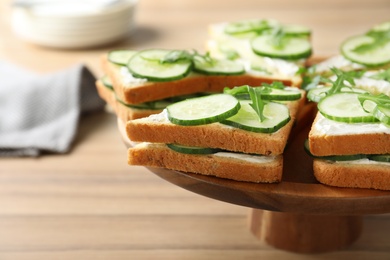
(366,51)
(267,46)
(144,82)
(350,136)
(239,134)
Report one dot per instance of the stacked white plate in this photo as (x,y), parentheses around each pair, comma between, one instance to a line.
(73,23)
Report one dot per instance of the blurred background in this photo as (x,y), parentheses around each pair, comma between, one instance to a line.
(183,24)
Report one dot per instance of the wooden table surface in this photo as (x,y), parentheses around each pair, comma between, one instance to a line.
(89,204)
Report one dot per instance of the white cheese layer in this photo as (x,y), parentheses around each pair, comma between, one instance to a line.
(246,157)
(338,62)
(329,127)
(364,162)
(237,156)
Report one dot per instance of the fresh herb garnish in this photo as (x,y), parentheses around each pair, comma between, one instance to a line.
(183,55)
(341,78)
(255,95)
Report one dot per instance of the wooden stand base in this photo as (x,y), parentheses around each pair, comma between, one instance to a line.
(302,233)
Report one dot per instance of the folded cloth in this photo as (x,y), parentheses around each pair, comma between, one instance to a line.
(41,112)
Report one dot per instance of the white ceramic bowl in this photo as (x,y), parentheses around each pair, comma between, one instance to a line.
(71,24)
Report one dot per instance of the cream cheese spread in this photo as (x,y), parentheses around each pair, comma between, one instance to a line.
(363,162)
(246,157)
(330,127)
(337,61)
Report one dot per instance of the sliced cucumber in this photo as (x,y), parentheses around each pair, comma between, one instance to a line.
(287,94)
(147,64)
(154,105)
(334,157)
(296,30)
(107,82)
(203,110)
(383,27)
(292,48)
(192,149)
(380,157)
(344,107)
(382,113)
(218,67)
(316,94)
(266,93)
(248,26)
(380,55)
(120,57)
(277,115)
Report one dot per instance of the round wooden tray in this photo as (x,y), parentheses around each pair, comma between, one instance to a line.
(323,218)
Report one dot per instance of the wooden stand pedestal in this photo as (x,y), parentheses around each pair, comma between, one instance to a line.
(302,233)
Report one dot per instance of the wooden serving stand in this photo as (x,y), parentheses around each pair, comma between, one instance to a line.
(298,214)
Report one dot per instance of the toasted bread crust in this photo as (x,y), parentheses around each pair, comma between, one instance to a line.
(158,155)
(123,112)
(370,143)
(371,176)
(157,129)
(151,91)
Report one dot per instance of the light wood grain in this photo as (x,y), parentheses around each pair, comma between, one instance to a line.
(89,204)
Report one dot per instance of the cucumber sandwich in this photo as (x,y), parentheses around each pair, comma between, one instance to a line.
(140,83)
(366,51)
(266,46)
(239,134)
(350,136)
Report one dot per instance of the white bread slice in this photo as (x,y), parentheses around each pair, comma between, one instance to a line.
(353,174)
(141,91)
(264,169)
(347,139)
(124,112)
(158,129)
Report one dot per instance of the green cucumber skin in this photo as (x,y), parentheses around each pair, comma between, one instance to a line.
(193,150)
(346,53)
(257,129)
(204,121)
(323,107)
(177,114)
(154,78)
(159,79)
(268,130)
(115,61)
(286,56)
(353,157)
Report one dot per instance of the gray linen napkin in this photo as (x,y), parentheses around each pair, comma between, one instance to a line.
(41,112)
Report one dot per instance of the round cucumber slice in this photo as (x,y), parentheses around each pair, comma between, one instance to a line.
(277,115)
(344,107)
(146,64)
(296,30)
(192,149)
(203,110)
(248,26)
(380,157)
(383,27)
(120,57)
(293,47)
(218,67)
(377,56)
